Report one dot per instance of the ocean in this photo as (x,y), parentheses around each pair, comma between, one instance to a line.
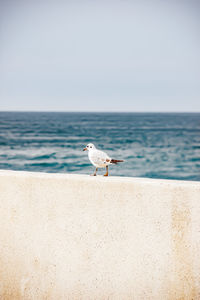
(154,145)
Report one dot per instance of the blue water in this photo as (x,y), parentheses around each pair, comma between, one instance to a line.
(153,145)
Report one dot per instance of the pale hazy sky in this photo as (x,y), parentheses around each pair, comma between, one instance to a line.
(100,55)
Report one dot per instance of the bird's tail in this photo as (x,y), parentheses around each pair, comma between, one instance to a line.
(115,161)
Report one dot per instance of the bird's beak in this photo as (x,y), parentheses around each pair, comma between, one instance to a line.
(84,149)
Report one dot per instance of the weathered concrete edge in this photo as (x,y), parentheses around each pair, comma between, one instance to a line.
(99,178)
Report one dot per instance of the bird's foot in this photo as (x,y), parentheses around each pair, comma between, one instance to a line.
(93,175)
(105,174)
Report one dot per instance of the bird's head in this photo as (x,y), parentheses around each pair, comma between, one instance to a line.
(89,147)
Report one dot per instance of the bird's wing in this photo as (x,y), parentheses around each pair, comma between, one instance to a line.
(100,157)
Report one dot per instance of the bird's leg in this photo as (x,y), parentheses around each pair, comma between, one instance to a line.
(106,171)
(95,173)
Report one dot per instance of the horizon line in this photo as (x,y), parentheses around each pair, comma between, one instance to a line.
(74,111)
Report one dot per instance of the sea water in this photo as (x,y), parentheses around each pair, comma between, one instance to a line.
(155,145)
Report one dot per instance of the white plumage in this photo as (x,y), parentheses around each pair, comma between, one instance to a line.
(99,159)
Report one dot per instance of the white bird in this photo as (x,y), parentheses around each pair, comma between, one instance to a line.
(99,158)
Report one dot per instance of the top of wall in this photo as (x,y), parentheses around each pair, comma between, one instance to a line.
(98,178)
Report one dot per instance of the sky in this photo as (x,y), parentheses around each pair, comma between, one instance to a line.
(140,56)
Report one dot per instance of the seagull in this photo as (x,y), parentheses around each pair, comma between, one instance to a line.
(99,158)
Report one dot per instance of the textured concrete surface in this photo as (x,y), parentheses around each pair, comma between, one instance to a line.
(80,237)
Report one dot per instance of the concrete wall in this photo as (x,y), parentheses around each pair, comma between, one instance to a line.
(81,237)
